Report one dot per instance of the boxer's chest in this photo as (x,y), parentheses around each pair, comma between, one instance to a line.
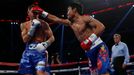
(81,30)
(78,26)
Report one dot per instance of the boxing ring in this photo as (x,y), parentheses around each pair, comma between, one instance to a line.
(72,68)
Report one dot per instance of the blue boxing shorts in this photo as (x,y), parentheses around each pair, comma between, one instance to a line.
(32,60)
(98,56)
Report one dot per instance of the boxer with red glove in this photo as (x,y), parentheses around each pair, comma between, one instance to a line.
(86,44)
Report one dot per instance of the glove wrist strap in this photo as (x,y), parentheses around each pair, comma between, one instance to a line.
(93,37)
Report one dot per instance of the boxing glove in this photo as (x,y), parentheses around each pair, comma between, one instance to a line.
(39,11)
(35,23)
(86,44)
(41,47)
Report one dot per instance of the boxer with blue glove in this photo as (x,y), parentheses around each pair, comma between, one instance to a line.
(38,36)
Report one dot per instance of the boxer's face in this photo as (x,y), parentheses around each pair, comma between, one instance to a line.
(70,13)
(116,39)
(30,13)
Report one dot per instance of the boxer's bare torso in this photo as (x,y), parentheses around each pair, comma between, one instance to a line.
(81,28)
(41,34)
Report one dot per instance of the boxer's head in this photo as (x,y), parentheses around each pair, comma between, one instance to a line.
(74,9)
(117,38)
(30,13)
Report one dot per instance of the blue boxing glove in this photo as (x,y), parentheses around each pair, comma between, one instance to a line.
(35,23)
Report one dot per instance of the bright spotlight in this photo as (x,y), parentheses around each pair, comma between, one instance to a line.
(132,5)
(11,22)
(16,22)
(93,15)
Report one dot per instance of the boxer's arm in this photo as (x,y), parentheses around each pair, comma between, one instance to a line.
(56,19)
(98,27)
(24,34)
(50,35)
(50,17)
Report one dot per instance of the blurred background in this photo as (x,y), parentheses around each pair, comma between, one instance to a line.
(116,15)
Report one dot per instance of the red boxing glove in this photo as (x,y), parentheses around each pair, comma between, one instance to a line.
(86,44)
(37,10)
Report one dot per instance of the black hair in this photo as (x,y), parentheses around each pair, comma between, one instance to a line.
(78,7)
(31,6)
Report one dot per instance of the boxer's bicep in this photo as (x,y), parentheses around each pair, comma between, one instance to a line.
(24,34)
(21,26)
(97,26)
(23,30)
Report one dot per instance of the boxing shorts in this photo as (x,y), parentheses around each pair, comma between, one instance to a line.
(98,56)
(32,60)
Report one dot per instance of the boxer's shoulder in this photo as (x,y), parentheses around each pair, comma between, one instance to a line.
(86,17)
(44,24)
(89,18)
(42,21)
(24,24)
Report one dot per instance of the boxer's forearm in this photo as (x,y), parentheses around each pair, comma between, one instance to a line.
(51,40)
(99,28)
(51,17)
(26,38)
(56,19)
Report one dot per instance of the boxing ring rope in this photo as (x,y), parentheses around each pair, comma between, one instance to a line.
(53,65)
(79,67)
